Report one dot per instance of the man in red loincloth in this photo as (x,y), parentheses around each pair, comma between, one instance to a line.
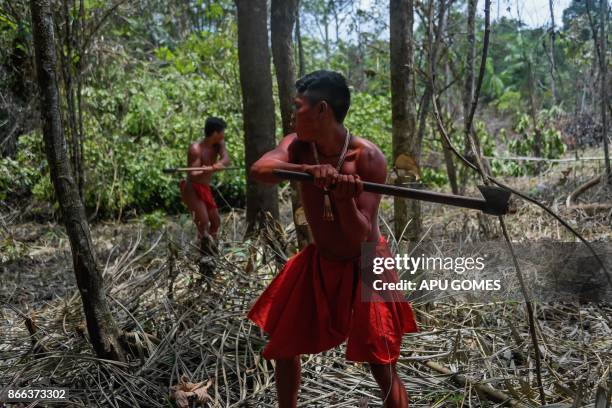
(317,302)
(211,155)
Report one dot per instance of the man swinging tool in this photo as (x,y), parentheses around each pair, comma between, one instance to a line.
(208,155)
(316,302)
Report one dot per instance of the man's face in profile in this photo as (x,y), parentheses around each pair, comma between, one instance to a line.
(306,118)
(217,136)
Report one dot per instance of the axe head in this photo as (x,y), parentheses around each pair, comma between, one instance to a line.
(497,200)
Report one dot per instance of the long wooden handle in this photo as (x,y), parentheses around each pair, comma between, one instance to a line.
(495,202)
(183,169)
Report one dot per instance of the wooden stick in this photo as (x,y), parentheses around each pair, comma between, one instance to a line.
(495,202)
(491,393)
(183,169)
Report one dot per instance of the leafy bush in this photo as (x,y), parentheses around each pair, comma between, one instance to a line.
(21,175)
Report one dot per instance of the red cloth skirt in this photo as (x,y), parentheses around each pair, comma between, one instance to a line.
(204,193)
(315,304)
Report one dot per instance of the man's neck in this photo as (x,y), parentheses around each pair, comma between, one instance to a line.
(207,142)
(330,143)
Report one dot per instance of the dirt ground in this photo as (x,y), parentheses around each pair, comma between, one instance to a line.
(196,326)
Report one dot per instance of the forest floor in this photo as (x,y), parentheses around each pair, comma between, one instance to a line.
(196,326)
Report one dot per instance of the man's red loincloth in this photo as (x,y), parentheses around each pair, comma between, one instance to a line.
(314,304)
(204,193)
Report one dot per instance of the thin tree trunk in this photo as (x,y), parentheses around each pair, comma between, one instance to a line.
(300,47)
(537,138)
(603,13)
(553,87)
(405,138)
(281,26)
(451,172)
(326,35)
(468,84)
(103,332)
(470,55)
(257,103)
(283,13)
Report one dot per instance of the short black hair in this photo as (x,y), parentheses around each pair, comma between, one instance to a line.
(214,125)
(327,86)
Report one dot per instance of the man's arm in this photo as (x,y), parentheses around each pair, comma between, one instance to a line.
(194,159)
(358,210)
(278,158)
(225,159)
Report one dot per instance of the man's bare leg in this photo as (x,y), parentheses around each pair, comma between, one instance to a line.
(287,376)
(197,209)
(393,391)
(215,222)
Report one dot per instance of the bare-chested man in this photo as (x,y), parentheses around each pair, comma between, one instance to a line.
(211,155)
(316,302)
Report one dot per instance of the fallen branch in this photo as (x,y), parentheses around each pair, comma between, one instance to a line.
(581,189)
(487,390)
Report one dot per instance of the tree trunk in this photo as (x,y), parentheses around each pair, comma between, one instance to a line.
(281,26)
(298,39)
(470,55)
(257,104)
(283,13)
(103,332)
(405,138)
(537,134)
(553,87)
(70,49)
(448,155)
(603,13)
(468,84)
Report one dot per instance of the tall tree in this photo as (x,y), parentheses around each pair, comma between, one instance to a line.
(257,104)
(433,45)
(470,55)
(468,83)
(298,40)
(603,68)
(406,144)
(283,16)
(72,58)
(101,327)
(553,87)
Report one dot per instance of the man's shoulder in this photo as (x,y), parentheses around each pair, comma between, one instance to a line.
(194,149)
(292,143)
(196,146)
(368,151)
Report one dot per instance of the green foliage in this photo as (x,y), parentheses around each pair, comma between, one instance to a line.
(523,143)
(155,220)
(509,101)
(26,171)
(141,120)
(370,118)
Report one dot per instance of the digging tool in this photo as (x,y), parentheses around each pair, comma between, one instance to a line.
(496,200)
(183,169)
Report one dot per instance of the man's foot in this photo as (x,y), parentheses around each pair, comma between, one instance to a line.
(208,245)
(209,251)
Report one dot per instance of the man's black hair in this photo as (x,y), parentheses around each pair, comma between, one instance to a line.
(326,86)
(214,125)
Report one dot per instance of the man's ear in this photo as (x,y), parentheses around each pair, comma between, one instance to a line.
(323,106)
